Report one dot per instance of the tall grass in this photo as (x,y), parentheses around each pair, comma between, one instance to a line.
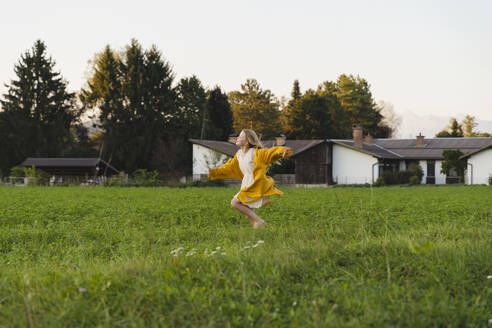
(338,257)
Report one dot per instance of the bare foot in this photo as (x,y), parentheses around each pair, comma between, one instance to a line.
(259,224)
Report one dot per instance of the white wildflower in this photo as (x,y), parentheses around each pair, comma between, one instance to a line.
(489,277)
(217,248)
(223,253)
(82,290)
(260,242)
(176,251)
(295,303)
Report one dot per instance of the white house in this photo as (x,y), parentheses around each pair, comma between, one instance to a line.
(361,160)
(479,168)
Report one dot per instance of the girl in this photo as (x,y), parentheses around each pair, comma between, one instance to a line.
(249,165)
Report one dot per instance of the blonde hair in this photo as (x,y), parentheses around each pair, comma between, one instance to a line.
(252,138)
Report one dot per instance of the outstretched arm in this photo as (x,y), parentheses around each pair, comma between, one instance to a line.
(226,171)
(273,154)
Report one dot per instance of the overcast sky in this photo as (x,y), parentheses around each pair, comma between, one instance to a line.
(428,57)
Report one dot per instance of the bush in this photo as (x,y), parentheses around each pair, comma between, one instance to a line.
(71,181)
(414,180)
(117,180)
(17,171)
(36,177)
(411,176)
(146,178)
(490,180)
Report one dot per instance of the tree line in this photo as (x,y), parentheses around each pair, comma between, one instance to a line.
(465,129)
(143,117)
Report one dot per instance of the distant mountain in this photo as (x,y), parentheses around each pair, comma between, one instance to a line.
(429,125)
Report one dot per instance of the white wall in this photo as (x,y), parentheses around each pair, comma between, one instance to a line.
(440,178)
(205,158)
(353,167)
(482,167)
(423,165)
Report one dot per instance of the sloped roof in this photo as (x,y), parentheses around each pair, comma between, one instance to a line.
(432,147)
(65,162)
(477,151)
(370,149)
(379,148)
(228,148)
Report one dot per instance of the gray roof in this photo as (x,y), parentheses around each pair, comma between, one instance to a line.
(64,162)
(370,149)
(228,148)
(379,148)
(477,151)
(433,147)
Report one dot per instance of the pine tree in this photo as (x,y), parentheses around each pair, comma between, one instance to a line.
(136,101)
(38,108)
(220,115)
(296,91)
(455,128)
(191,113)
(452,130)
(104,92)
(356,98)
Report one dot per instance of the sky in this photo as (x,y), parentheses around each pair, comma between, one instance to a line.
(424,57)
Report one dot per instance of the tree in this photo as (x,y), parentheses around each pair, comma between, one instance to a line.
(390,118)
(255,108)
(136,101)
(453,130)
(317,115)
(219,114)
(286,115)
(453,162)
(469,124)
(296,91)
(38,111)
(104,92)
(356,99)
(191,113)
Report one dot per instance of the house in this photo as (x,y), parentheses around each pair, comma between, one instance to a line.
(361,160)
(90,169)
(310,158)
(479,165)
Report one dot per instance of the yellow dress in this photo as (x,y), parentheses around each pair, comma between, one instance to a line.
(262,185)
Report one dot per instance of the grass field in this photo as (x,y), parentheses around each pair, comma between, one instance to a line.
(337,257)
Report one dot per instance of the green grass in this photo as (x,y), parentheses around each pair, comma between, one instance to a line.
(337,257)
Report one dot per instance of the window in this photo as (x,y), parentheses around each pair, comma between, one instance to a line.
(431,168)
(431,172)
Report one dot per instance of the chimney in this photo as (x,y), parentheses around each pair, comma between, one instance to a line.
(368,139)
(420,140)
(232,138)
(280,140)
(357,135)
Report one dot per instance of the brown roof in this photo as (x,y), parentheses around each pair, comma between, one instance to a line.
(65,162)
(228,148)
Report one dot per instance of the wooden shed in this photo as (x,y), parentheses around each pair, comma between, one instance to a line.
(87,168)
